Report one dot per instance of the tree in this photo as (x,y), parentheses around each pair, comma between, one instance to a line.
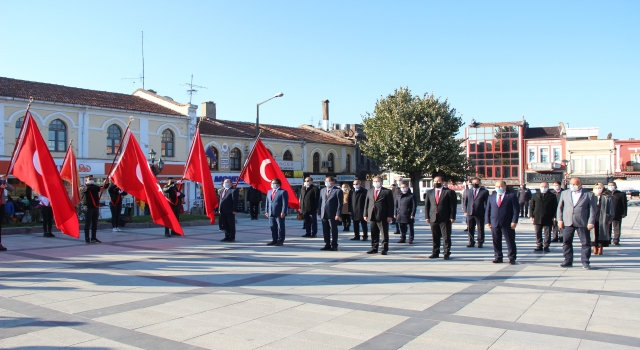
(416,136)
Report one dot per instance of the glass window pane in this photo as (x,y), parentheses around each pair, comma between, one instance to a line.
(505,171)
(497,156)
(505,135)
(480,155)
(481,162)
(514,145)
(480,136)
(515,162)
(480,170)
(498,176)
(472,135)
(514,171)
(489,146)
(532,155)
(497,144)
(489,162)
(544,155)
(472,156)
(556,155)
(505,145)
(514,135)
(514,155)
(480,147)
(588,166)
(472,147)
(490,172)
(488,156)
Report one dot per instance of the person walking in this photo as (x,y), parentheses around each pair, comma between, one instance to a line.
(440,208)
(228,209)
(276,210)
(174,196)
(576,213)
(474,205)
(620,204)
(543,212)
(557,232)
(405,212)
(309,196)
(330,204)
(502,218)
(255,198)
(47,216)
(115,203)
(357,199)
(378,210)
(524,196)
(90,195)
(346,217)
(604,217)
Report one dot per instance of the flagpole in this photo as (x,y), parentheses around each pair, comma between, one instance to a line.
(120,144)
(21,128)
(248,157)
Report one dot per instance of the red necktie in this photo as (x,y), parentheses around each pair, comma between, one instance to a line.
(437,196)
(273,194)
(499,200)
(375,195)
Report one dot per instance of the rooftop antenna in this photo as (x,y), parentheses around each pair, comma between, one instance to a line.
(141,77)
(191,89)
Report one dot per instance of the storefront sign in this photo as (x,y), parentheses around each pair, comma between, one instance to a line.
(289,165)
(218,179)
(317,178)
(544,177)
(344,178)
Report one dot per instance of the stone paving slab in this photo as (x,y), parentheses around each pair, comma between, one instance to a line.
(140,290)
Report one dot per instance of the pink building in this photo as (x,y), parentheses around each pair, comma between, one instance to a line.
(544,160)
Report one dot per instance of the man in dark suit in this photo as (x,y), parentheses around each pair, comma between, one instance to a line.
(557,187)
(90,199)
(227,207)
(378,209)
(405,212)
(115,204)
(255,198)
(524,196)
(330,211)
(576,213)
(395,190)
(276,210)
(474,204)
(309,196)
(174,195)
(357,199)
(440,209)
(619,204)
(502,212)
(543,212)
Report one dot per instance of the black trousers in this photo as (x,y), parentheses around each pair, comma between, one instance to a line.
(356,228)
(441,230)
(311,223)
(90,221)
(547,235)
(403,230)
(376,228)
(254,209)
(346,221)
(585,242)
(524,208)
(472,222)
(47,218)
(330,232)
(509,235)
(115,215)
(176,211)
(228,221)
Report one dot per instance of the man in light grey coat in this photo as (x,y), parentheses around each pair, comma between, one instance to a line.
(4,188)
(329,210)
(576,212)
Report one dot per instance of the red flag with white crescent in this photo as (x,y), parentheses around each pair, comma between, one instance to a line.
(33,164)
(69,172)
(197,169)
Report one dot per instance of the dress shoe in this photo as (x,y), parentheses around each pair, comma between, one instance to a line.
(384,252)
(554,240)
(365,238)
(446,257)
(616,243)
(434,256)
(373,251)
(48,234)
(326,248)
(396,233)
(512,262)
(471,245)
(466,229)
(306,235)
(355,238)
(167,235)
(174,234)
(538,249)
(3,249)
(335,249)
(272,243)
(224,240)
(95,240)
(402,241)
(566,264)
(87,241)
(586,266)
(411,241)
(279,244)
(497,261)
(546,249)
(314,236)
(479,245)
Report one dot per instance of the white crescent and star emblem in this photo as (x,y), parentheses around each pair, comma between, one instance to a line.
(262,168)
(36,162)
(139,174)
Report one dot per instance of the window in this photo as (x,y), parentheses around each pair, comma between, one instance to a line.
(588,166)
(167,143)
(316,162)
(575,165)
(490,172)
(234,159)
(213,162)
(114,134)
(498,176)
(472,147)
(602,165)
(556,155)
(57,136)
(514,171)
(18,127)
(330,159)
(532,155)
(544,155)
(347,167)
(287,155)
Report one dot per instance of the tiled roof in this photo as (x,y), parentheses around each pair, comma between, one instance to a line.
(75,96)
(552,132)
(305,133)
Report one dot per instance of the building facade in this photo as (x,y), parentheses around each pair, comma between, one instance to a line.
(589,158)
(627,164)
(545,149)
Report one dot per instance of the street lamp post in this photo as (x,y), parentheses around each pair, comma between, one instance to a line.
(279,94)
(152,158)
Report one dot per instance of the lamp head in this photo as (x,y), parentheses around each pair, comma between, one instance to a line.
(279,94)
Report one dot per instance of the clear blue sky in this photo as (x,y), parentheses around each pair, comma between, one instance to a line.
(551,61)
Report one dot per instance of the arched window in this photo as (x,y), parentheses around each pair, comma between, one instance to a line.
(347,167)
(57,136)
(234,159)
(114,134)
(287,155)
(213,162)
(316,162)
(167,143)
(331,166)
(18,127)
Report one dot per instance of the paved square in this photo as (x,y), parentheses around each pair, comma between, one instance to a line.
(140,290)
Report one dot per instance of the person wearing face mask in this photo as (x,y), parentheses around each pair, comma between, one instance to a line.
(474,204)
(276,209)
(619,203)
(440,208)
(357,199)
(502,218)
(467,186)
(543,212)
(604,216)
(90,199)
(255,198)
(405,212)
(330,204)
(524,196)
(556,232)
(346,217)
(395,190)
(309,195)
(173,194)
(227,207)
(378,210)
(576,213)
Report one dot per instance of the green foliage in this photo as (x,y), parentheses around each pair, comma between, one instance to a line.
(415,136)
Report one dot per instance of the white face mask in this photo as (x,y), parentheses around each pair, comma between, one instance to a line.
(327,183)
(574,187)
(404,189)
(612,188)
(376,184)
(345,189)
(557,188)
(274,186)
(470,186)
(90,182)
(227,185)
(597,191)
(544,189)
(356,187)
(307,183)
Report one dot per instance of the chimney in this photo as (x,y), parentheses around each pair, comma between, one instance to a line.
(209,110)
(325,115)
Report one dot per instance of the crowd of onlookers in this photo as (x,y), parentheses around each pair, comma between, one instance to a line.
(22,210)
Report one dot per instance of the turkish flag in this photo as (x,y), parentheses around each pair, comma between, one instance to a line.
(197,169)
(69,172)
(260,168)
(32,164)
(133,175)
